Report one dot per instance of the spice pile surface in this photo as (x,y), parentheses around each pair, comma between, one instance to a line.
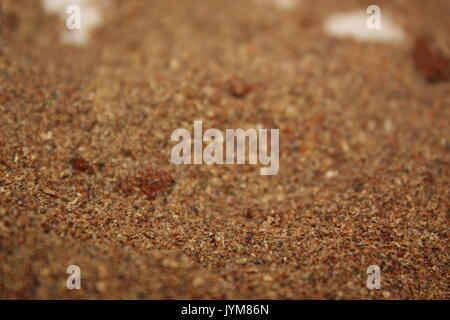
(86,178)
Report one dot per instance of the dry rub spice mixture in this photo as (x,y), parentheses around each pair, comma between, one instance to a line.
(85,176)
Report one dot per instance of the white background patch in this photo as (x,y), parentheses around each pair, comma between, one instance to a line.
(90,18)
(282,4)
(354,24)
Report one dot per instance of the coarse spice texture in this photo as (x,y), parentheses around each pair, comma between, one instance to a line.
(86,177)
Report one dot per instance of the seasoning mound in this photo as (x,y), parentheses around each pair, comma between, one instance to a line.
(364,153)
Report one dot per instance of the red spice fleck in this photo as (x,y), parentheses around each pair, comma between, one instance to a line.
(288,130)
(431,62)
(149,182)
(238,88)
(82,165)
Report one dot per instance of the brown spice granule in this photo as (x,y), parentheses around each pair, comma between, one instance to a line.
(239,88)
(9,21)
(127,153)
(431,62)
